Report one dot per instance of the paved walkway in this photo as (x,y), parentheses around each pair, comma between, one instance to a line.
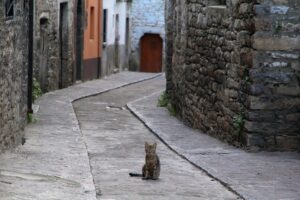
(255,176)
(115,141)
(54,164)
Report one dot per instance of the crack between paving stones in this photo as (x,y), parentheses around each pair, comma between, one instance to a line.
(36,177)
(6,182)
(134,112)
(88,154)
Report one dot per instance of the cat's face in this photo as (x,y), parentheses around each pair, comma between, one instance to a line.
(150,149)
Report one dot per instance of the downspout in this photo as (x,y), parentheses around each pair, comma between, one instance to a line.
(30,56)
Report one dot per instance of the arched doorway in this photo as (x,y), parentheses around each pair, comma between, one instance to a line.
(151,53)
(79,39)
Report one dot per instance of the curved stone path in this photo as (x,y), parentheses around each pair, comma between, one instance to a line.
(54,164)
(115,142)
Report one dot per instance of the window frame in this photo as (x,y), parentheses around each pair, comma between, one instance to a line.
(217,3)
(9,6)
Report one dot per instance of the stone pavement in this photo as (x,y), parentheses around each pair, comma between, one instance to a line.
(254,176)
(115,141)
(54,164)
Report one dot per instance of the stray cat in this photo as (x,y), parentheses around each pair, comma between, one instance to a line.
(151,168)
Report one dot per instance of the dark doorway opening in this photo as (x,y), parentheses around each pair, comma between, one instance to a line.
(79,39)
(43,54)
(151,53)
(127,37)
(64,45)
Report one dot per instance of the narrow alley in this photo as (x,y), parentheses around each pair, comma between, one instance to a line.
(115,142)
(85,85)
(87,139)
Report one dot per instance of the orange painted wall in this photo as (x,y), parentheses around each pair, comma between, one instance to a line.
(93,32)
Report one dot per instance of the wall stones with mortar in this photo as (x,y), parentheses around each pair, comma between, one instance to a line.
(274,95)
(147,16)
(234,70)
(47,62)
(13,74)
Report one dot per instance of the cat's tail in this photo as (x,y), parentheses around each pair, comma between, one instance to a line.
(135,175)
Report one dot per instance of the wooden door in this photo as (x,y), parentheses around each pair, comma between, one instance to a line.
(151,53)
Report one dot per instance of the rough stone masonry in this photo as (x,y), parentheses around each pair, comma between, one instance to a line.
(13,73)
(48,69)
(233,69)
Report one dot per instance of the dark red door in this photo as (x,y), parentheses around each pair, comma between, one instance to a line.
(151,53)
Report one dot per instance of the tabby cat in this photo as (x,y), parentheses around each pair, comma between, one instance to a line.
(151,168)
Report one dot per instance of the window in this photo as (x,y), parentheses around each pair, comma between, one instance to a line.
(9,8)
(92,23)
(217,3)
(117,36)
(105,25)
(222,2)
(127,35)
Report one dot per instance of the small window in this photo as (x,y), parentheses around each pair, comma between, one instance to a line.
(92,23)
(9,8)
(217,3)
(25,2)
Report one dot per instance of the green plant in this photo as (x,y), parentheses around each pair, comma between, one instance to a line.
(171,109)
(246,77)
(238,123)
(277,27)
(31,118)
(36,90)
(163,100)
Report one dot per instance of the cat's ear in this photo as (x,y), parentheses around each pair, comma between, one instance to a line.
(154,145)
(146,144)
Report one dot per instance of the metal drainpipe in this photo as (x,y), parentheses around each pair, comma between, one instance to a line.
(30,56)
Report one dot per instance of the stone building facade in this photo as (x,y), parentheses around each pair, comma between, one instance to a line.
(147,17)
(233,69)
(54,43)
(13,71)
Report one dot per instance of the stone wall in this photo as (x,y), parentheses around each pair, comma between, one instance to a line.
(169,24)
(146,17)
(47,45)
(273,120)
(13,74)
(234,70)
